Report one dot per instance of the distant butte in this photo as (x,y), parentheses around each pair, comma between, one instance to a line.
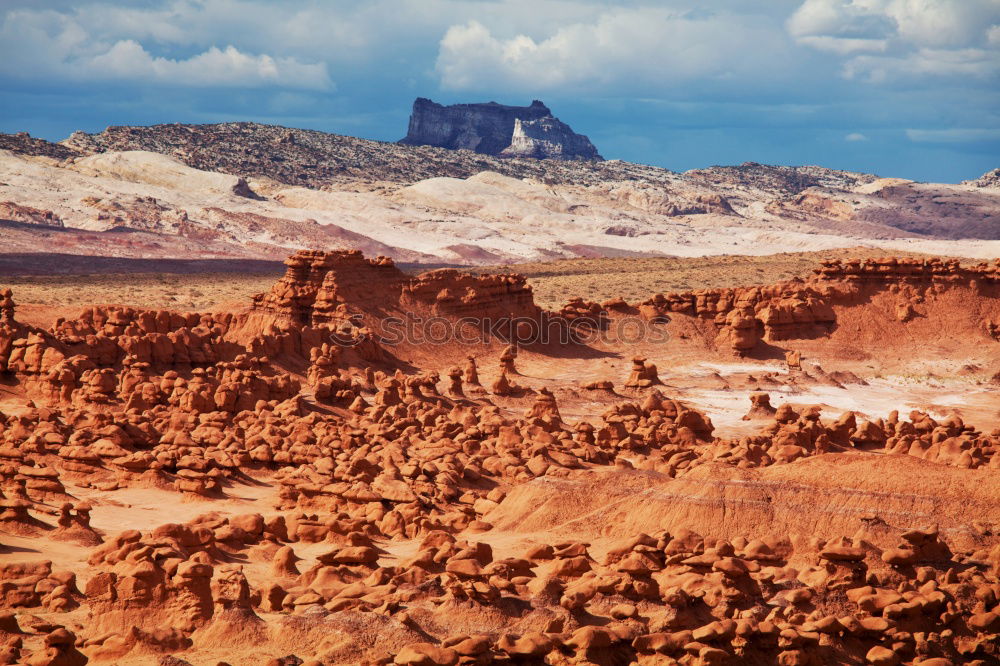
(497,129)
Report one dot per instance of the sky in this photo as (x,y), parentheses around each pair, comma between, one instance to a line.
(900,88)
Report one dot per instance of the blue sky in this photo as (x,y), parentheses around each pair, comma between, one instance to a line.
(904,88)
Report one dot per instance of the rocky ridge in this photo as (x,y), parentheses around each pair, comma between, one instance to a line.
(988,179)
(314,159)
(23,143)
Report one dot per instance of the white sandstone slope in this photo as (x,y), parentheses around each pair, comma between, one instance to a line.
(486,218)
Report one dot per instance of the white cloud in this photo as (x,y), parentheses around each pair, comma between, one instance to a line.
(634,48)
(127,60)
(944,23)
(62,46)
(655,48)
(902,40)
(855,137)
(331,31)
(957,135)
(638,48)
(974,63)
(843,45)
(841,26)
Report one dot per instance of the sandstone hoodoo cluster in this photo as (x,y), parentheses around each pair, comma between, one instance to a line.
(748,317)
(497,129)
(284,485)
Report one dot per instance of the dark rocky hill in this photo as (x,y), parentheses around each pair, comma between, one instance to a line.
(23,143)
(315,159)
(312,158)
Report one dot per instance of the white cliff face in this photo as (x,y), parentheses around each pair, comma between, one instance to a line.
(548,138)
(497,129)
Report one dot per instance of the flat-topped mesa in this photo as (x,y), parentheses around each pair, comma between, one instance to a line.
(497,129)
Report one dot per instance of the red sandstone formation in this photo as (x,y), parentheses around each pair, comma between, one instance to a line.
(643,374)
(388,485)
(507,360)
(321,287)
(760,407)
(805,309)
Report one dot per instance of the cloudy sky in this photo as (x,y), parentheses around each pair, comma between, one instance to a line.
(907,88)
